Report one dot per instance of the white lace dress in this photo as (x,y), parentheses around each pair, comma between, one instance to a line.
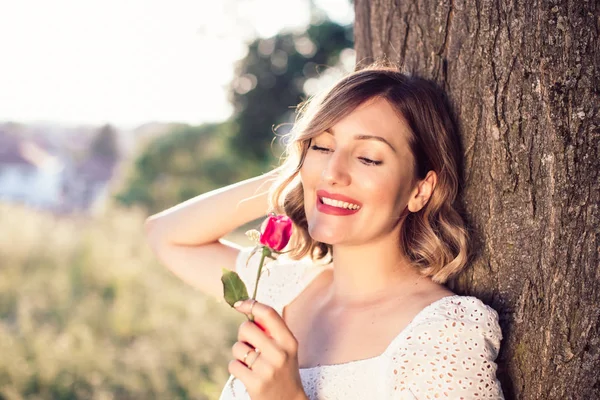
(447,350)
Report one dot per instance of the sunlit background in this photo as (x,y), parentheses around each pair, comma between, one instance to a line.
(135,61)
(111,111)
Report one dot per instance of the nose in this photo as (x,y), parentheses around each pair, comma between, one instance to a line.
(336,170)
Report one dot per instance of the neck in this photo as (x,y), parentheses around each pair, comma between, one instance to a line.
(369,275)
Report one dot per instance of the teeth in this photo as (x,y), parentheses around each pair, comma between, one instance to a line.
(340,204)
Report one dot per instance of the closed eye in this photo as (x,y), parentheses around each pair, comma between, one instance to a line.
(368,161)
(317,148)
(364,160)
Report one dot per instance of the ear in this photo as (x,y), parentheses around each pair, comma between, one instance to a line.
(422,192)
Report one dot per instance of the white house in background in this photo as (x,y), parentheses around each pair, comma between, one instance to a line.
(32,175)
(29,174)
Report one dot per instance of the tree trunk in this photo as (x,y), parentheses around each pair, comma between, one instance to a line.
(523,78)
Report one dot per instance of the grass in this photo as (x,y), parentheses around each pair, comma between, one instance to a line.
(86,312)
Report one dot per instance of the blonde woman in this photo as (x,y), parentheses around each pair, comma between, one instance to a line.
(358,308)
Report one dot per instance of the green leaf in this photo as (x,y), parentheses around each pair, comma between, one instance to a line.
(234,288)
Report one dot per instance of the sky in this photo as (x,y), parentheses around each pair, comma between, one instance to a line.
(129,62)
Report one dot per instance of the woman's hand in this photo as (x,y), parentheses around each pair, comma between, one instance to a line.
(272,373)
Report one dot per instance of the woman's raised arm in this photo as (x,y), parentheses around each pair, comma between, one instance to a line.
(186,237)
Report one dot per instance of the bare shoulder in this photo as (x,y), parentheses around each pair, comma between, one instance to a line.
(430,293)
(405,308)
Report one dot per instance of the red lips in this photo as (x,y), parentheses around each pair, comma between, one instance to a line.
(327,209)
(340,197)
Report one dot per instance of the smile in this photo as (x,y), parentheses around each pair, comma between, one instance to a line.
(336,204)
(340,204)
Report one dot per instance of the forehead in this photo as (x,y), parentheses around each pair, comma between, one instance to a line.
(376,117)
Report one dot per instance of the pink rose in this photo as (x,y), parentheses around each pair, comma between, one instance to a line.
(276,232)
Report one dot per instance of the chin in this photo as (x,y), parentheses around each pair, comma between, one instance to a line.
(327,237)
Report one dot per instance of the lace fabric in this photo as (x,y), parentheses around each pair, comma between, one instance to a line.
(446,351)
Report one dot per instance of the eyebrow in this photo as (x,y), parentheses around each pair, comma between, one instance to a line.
(366,137)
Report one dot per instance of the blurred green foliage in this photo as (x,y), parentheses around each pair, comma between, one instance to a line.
(86,312)
(270,82)
(177,166)
(191,160)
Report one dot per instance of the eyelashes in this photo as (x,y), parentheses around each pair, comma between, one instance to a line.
(364,160)
(317,148)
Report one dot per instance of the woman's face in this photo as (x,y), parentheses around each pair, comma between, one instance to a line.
(358,176)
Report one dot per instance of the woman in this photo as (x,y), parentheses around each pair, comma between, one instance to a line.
(358,310)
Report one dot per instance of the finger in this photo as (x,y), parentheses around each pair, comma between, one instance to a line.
(256,338)
(247,355)
(241,372)
(266,317)
(243,352)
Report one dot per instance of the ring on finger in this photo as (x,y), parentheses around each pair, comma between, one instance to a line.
(251,362)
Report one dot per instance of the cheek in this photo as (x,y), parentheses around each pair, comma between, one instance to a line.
(380,192)
(309,177)
(387,190)
(310,172)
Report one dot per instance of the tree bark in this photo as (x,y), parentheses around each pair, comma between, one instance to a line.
(523,79)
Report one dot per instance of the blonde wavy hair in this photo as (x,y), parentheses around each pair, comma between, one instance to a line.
(434,239)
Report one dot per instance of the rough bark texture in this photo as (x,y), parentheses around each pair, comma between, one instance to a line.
(523,77)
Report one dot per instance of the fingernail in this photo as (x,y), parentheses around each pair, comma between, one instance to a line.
(237,303)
